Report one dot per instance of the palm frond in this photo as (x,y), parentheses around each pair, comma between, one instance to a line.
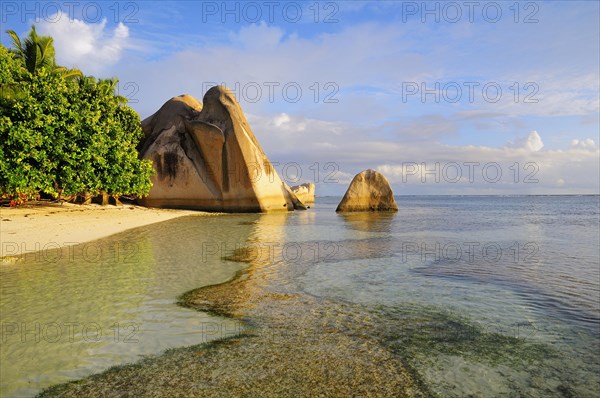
(16,41)
(68,74)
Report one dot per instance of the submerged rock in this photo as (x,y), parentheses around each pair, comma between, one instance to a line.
(368,191)
(207,158)
(305,192)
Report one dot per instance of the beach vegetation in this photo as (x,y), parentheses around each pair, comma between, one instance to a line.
(64,135)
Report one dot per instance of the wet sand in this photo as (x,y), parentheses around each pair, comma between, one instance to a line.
(34,227)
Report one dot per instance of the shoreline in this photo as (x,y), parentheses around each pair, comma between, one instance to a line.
(44,226)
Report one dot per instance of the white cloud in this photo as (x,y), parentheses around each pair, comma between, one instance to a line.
(587,143)
(259,36)
(87,46)
(549,94)
(288,134)
(532,143)
(281,119)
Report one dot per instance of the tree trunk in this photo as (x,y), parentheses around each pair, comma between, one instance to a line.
(117,201)
(87,199)
(104,198)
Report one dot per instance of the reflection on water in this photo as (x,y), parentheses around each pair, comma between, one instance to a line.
(69,313)
(369,221)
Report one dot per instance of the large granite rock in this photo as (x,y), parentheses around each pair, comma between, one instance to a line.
(207,158)
(368,191)
(305,192)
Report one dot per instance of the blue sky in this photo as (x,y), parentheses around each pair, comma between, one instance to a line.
(355,85)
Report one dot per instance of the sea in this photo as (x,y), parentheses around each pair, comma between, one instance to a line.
(481,296)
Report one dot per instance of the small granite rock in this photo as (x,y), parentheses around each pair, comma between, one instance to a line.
(305,192)
(368,191)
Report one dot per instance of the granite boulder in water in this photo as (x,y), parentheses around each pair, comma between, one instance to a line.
(305,192)
(368,191)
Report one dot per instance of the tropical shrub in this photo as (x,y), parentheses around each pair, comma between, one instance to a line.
(63,136)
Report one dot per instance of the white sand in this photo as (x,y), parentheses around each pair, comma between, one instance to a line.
(37,227)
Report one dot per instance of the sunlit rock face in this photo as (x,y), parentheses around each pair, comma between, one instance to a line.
(206,157)
(368,191)
(305,192)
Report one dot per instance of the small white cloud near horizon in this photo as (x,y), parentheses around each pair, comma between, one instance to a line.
(533,142)
(90,47)
(588,143)
(281,119)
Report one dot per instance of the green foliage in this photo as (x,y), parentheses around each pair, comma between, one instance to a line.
(65,137)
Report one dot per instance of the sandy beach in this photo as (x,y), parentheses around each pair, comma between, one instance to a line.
(34,227)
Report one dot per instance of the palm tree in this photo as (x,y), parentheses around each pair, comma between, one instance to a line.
(37,52)
(105,86)
(109,86)
(68,74)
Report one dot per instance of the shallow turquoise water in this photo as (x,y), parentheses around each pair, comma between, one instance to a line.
(523,271)
(526,268)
